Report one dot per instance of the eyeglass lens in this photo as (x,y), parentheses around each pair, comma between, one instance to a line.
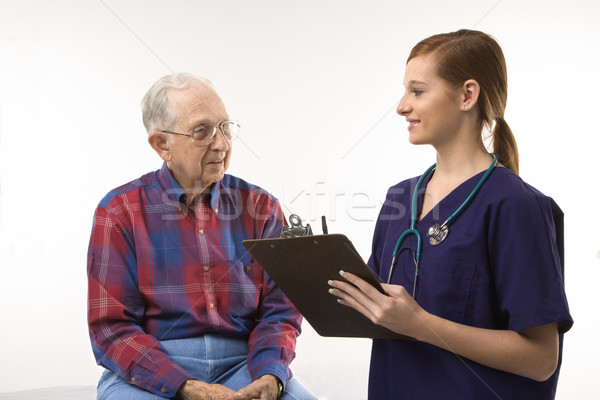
(204,134)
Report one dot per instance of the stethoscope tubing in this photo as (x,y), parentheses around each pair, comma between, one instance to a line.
(413,224)
(413,219)
(462,207)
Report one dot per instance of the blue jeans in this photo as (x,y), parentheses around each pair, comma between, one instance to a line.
(210,358)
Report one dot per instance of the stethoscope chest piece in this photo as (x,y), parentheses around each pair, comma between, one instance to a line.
(437,234)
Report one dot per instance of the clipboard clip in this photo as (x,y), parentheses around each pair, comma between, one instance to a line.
(296,229)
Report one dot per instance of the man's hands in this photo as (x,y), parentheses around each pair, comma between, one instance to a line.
(197,390)
(264,388)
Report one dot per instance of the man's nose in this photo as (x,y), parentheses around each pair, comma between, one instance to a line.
(219,142)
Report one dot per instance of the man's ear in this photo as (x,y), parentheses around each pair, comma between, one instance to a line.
(160,143)
(470,94)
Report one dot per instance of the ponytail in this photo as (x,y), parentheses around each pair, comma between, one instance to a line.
(505,146)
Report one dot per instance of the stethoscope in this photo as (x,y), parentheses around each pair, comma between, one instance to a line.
(437,233)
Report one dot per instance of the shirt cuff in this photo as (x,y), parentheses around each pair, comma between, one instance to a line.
(165,384)
(282,372)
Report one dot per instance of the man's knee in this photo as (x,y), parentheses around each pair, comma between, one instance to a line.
(295,391)
(112,386)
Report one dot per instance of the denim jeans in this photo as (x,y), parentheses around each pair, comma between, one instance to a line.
(209,358)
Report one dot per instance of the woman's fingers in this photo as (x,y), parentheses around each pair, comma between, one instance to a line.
(360,283)
(396,311)
(356,293)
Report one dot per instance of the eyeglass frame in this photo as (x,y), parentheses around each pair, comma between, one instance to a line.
(210,139)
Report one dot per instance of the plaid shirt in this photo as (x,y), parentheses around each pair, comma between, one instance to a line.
(158,270)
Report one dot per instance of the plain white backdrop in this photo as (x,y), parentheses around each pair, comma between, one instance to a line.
(315,85)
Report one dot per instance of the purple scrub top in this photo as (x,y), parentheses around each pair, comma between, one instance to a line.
(501,267)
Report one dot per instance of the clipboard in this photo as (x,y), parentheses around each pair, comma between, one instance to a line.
(301,267)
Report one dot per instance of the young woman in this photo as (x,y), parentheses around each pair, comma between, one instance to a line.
(474,268)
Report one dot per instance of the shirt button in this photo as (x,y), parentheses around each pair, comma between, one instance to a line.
(163,390)
(216,210)
(248,268)
(133,379)
(211,305)
(206,267)
(201,231)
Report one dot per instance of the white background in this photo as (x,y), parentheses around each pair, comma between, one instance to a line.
(315,85)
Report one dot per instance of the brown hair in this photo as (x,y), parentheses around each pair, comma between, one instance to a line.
(467,54)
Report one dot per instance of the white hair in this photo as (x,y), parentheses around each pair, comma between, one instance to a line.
(157,113)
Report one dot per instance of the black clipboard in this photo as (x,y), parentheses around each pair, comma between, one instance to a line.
(301,267)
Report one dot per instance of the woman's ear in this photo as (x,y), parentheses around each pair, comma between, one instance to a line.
(160,143)
(470,94)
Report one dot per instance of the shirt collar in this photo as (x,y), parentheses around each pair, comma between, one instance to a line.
(215,193)
(177,194)
(174,191)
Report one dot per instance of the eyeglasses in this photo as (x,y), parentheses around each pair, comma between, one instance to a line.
(203,135)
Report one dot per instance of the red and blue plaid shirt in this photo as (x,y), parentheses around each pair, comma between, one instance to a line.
(158,270)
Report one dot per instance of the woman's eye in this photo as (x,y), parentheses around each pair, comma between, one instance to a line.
(417,92)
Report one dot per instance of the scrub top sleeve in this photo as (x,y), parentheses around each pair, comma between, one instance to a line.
(526,261)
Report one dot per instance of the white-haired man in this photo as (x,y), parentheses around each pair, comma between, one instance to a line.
(176,306)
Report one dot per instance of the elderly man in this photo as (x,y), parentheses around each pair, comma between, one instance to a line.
(177,307)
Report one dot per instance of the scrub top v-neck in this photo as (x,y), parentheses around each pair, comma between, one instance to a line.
(500,267)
